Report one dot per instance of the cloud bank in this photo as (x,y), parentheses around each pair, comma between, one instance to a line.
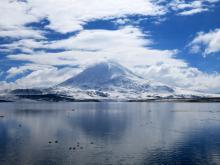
(47,61)
(206,43)
(69,15)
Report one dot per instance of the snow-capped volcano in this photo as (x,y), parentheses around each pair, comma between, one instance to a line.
(103,74)
(108,81)
(110,76)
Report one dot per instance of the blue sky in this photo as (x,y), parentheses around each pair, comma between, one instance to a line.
(176,42)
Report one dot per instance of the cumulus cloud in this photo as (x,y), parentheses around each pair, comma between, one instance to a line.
(90,40)
(6,86)
(21,32)
(14,15)
(206,43)
(129,46)
(126,45)
(69,15)
(45,77)
(14,71)
(39,76)
(26,45)
(184,8)
(181,76)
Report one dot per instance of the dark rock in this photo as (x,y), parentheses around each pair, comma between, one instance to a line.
(46,97)
(26,92)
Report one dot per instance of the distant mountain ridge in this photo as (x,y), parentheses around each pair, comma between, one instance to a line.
(108,81)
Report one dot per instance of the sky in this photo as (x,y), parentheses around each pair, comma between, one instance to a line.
(175,42)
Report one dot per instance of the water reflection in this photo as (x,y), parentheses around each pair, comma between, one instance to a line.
(200,148)
(109,133)
(101,123)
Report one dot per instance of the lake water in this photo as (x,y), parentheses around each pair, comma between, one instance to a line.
(109,133)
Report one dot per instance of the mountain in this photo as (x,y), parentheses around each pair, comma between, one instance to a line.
(102,75)
(111,76)
(108,81)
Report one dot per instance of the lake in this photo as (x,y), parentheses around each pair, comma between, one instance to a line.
(109,133)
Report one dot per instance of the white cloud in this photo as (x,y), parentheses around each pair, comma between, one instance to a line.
(103,40)
(21,32)
(184,7)
(6,86)
(206,43)
(39,76)
(14,15)
(69,15)
(14,71)
(45,77)
(193,11)
(25,45)
(87,40)
(121,21)
(128,46)
(184,77)
(182,4)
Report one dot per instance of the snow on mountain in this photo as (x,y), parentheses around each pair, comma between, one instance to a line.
(102,75)
(107,81)
(110,80)
(107,76)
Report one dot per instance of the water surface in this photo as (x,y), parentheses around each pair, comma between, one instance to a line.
(109,133)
